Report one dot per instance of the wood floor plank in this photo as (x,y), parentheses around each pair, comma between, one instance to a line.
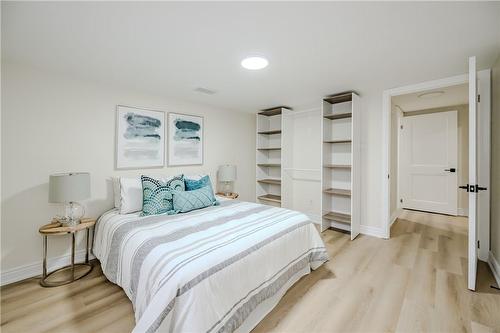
(414,282)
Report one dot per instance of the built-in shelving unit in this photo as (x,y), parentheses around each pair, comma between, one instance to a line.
(269,150)
(340,178)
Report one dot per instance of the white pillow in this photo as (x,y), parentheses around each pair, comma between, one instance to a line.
(116,192)
(130,195)
(128,192)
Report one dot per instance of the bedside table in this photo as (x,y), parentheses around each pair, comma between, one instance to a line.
(230,196)
(56,228)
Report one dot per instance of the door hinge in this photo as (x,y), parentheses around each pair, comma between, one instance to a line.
(478,245)
(401,200)
(479,98)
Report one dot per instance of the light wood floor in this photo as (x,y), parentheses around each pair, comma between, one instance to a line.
(414,282)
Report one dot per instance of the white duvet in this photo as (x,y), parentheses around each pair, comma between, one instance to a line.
(218,269)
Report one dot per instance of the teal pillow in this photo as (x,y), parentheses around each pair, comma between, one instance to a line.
(192,184)
(186,201)
(157,194)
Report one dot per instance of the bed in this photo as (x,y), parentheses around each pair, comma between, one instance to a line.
(217,269)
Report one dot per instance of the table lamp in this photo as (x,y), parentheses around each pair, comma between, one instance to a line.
(227,175)
(68,188)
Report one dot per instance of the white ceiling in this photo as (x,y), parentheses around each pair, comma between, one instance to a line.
(453,95)
(314,49)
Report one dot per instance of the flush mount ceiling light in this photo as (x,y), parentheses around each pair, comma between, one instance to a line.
(431,94)
(254,63)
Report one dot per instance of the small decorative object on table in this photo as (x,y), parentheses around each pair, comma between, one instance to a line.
(56,228)
(228,195)
(227,175)
(67,188)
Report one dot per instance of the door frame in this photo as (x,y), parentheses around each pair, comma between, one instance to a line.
(484,89)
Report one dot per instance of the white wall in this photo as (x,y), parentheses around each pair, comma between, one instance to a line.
(52,123)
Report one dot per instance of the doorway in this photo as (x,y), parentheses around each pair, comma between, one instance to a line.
(429,145)
(479,83)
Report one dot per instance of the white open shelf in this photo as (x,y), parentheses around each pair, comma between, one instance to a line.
(340,163)
(268,155)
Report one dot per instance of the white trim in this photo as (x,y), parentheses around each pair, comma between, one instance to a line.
(495,267)
(395,215)
(463,211)
(35,269)
(372,231)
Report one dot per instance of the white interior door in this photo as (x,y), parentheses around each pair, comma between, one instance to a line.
(429,161)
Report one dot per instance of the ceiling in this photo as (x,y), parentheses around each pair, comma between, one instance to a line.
(314,49)
(453,95)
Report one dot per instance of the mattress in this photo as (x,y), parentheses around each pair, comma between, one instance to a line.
(218,269)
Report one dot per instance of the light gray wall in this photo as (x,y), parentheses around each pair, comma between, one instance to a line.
(495,162)
(53,123)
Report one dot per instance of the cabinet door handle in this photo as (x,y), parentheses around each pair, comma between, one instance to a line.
(450,170)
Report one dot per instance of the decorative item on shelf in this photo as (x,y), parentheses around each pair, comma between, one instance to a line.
(227,175)
(68,188)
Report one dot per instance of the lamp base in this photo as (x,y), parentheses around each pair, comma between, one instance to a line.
(73,212)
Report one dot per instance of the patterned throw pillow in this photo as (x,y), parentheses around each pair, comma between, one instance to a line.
(186,201)
(192,184)
(157,194)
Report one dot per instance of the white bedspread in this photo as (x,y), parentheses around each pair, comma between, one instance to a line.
(209,270)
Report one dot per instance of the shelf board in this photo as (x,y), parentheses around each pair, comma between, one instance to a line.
(270,132)
(337,166)
(342,97)
(273,111)
(268,148)
(269,164)
(270,197)
(270,181)
(338,141)
(338,115)
(338,191)
(338,217)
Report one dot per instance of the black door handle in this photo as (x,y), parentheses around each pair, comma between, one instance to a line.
(480,188)
(465,187)
(450,169)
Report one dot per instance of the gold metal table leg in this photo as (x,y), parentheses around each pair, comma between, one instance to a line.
(73,256)
(87,247)
(44,271)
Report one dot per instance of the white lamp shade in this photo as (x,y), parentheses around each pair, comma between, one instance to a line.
(69,187)
(227,173)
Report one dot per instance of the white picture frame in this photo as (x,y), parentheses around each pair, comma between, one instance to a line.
(140,138)
(185,139)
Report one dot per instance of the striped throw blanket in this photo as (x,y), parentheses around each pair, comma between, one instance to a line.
(218,269)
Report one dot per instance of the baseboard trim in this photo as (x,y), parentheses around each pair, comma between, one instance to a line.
(35,269)
(395,215)
(495,267)
(463,212)
(372,231)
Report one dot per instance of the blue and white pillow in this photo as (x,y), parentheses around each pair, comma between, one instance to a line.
(157,194)
(186,201)
(195,184)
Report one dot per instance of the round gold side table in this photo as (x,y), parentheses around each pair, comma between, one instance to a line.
(55,228)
